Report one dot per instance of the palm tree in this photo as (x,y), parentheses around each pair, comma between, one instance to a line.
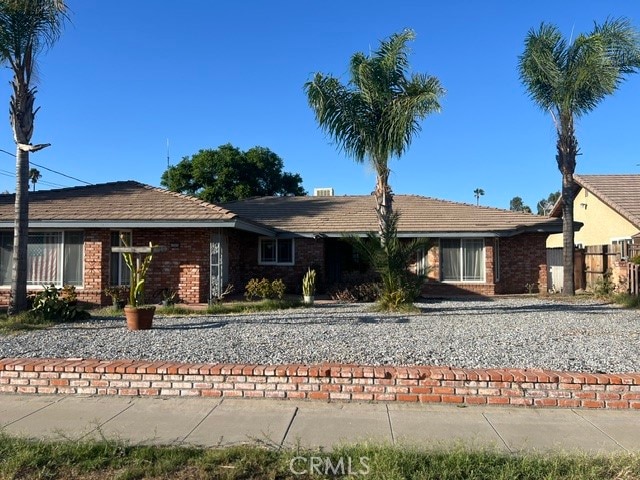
(376,115)
(34,176)
(569,79)
(26,27)
(478,192)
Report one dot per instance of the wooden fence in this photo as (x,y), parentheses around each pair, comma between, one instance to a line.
(598,260)
(592,264)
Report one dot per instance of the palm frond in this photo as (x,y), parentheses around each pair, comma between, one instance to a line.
(575,78)
(542,63)
(376,115)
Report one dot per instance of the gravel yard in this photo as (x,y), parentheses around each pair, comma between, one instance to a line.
(504,332)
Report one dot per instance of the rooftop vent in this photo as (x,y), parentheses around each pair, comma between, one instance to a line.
(323,192)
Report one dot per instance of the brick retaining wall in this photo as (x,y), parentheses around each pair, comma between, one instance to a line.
(329,382)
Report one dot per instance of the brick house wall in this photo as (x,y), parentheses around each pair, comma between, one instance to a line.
(523,259)
(244,264)
(184,267)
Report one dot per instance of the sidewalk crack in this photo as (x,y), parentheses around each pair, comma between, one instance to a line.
(200,422)
(393,437)
(601,431)
(286,432)
(497,432)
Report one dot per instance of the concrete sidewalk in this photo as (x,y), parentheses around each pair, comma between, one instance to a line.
(222,422)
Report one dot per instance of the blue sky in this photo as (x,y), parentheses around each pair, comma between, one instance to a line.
(128,75)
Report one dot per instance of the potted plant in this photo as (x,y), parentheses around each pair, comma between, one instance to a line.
(118,294)
(309,286)
(139,316)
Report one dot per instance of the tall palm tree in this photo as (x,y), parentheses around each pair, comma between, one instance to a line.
(478,192)
(34,176)
(569,79)
(376,115)
(26,27)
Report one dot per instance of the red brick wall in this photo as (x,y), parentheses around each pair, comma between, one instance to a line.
(327,382)
(243,262)
(183,267)
(523,259)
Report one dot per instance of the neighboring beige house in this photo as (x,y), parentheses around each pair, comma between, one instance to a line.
(608,206)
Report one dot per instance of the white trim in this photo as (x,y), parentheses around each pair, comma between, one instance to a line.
(462,280)
(121,264)
(129,224)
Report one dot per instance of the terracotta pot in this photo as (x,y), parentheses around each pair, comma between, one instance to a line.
(139,318)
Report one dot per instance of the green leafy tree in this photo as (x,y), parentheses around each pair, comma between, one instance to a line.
(376,115)
(545,205)
(517,205)
(568,80)
(26,28)
(228,174)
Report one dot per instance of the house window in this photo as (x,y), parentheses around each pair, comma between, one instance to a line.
(52,258)
(274,251)
(421,262)
(462,260)
(120,274)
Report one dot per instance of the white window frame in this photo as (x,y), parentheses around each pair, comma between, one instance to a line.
(276,262)
(60,280)
(122,266)
(461,258)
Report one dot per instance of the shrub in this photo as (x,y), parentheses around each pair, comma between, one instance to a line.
(263,288)
(59,304)
(361,292)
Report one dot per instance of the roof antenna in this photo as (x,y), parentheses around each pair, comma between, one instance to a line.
(167,153)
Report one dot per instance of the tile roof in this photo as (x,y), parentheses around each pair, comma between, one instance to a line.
(620,192)
(115,201)
(356,214)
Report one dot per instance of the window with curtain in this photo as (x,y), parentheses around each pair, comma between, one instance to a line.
(52,258)
(462,259)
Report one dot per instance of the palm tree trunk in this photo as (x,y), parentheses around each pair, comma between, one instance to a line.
(567,150)
(384,200)
(21,115)
(18,301)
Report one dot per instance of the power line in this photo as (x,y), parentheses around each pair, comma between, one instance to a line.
(7,173)
(49,169)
